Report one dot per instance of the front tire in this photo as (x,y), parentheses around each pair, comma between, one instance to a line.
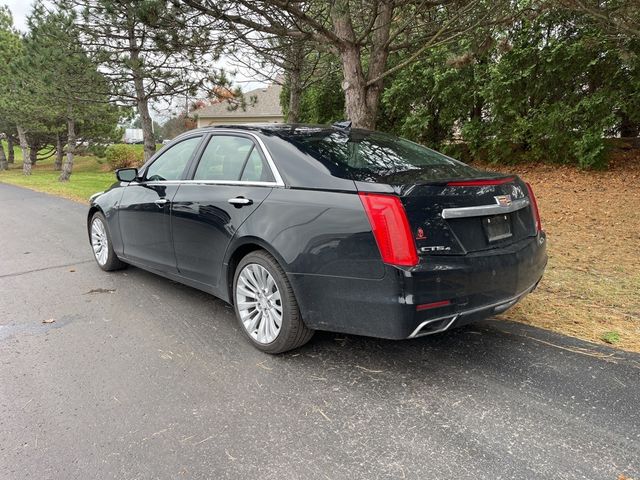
(265,305)
(101,244)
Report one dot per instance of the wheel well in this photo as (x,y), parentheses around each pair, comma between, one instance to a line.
(92,210)
(241,252)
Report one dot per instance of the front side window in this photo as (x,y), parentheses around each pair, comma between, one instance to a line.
(171,164)
(232,158)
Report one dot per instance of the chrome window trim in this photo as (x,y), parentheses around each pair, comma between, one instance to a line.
(274,170)
(279,182)
(483,210)
(213,182)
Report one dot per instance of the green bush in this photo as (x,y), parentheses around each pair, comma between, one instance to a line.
(552,87)
(123,156)
(98,150)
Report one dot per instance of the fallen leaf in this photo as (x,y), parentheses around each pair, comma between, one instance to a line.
(100,290)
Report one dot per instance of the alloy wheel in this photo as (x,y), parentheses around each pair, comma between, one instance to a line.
(259,303)
(99,241)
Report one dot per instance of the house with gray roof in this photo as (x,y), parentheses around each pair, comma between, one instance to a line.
(262,106)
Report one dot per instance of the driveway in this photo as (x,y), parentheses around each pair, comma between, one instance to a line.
(139,378)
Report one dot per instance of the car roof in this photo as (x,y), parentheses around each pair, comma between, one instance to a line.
(273,128)
(296,168)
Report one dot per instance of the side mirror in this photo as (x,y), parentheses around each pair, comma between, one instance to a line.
(127,174)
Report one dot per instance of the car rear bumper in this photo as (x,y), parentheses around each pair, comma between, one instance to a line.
(442,292)
(445,322)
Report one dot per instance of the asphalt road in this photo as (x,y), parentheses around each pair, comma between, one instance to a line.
(141,378)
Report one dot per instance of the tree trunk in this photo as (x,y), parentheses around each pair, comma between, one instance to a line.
(147,125)
(295,58)
(141,97)
(362,92)
(378,59)
(3,159)
(478,99)
(71,149)
(33,154)
(355,90)
(10,146)
(627,127)
(26,162)
(57,165)
(295,92)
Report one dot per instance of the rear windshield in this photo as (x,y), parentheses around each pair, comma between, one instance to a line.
(372,156)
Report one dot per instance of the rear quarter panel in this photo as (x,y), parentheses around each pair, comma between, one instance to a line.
(323,240)
(315,233)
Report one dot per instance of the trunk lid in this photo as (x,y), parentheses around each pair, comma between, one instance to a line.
(455,216)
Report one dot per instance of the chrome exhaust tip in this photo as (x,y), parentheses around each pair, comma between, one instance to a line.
(503,307)
(435,325)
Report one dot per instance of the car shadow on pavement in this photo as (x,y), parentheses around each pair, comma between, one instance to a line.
(495,346)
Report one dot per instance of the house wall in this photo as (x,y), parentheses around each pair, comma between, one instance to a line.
(206,121)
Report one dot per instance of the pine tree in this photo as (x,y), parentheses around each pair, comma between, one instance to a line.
(76,94)
(149,50)
(9,48)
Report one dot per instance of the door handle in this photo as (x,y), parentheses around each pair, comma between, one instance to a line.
(160,202)
(240,201)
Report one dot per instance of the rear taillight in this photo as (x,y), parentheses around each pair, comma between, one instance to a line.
(534,208)
(390,228)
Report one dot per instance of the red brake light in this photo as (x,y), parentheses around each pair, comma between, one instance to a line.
(480,183)
(427,306)
(534,207)
(390,228)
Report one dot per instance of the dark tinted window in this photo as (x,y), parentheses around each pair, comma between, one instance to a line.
(256,169)
(232,158)
(171,164)
(364,155)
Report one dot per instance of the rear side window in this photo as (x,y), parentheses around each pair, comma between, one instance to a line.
(171,164)
(256,170)
(232,158)
(365,155)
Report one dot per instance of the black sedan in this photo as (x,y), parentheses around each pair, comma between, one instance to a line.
(307,228)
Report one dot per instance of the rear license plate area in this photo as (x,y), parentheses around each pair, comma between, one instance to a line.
(497,227)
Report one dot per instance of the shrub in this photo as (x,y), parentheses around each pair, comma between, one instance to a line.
(123,156)
(98,149)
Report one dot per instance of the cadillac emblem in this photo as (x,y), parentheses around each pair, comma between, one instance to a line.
(503,200)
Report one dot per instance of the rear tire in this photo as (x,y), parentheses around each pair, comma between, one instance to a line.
(265,305)
(101,244)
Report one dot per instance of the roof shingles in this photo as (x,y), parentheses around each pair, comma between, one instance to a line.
(261,102)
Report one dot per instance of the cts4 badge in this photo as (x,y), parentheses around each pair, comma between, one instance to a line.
(435,248)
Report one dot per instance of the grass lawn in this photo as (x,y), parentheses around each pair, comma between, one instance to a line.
(16,150)
(591,288)
(88,177)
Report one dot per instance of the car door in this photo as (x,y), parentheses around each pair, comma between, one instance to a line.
(144,211)
(230,180)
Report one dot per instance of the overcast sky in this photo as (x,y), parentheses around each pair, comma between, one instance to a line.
(20,9)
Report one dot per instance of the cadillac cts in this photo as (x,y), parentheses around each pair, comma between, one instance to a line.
(307,228)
